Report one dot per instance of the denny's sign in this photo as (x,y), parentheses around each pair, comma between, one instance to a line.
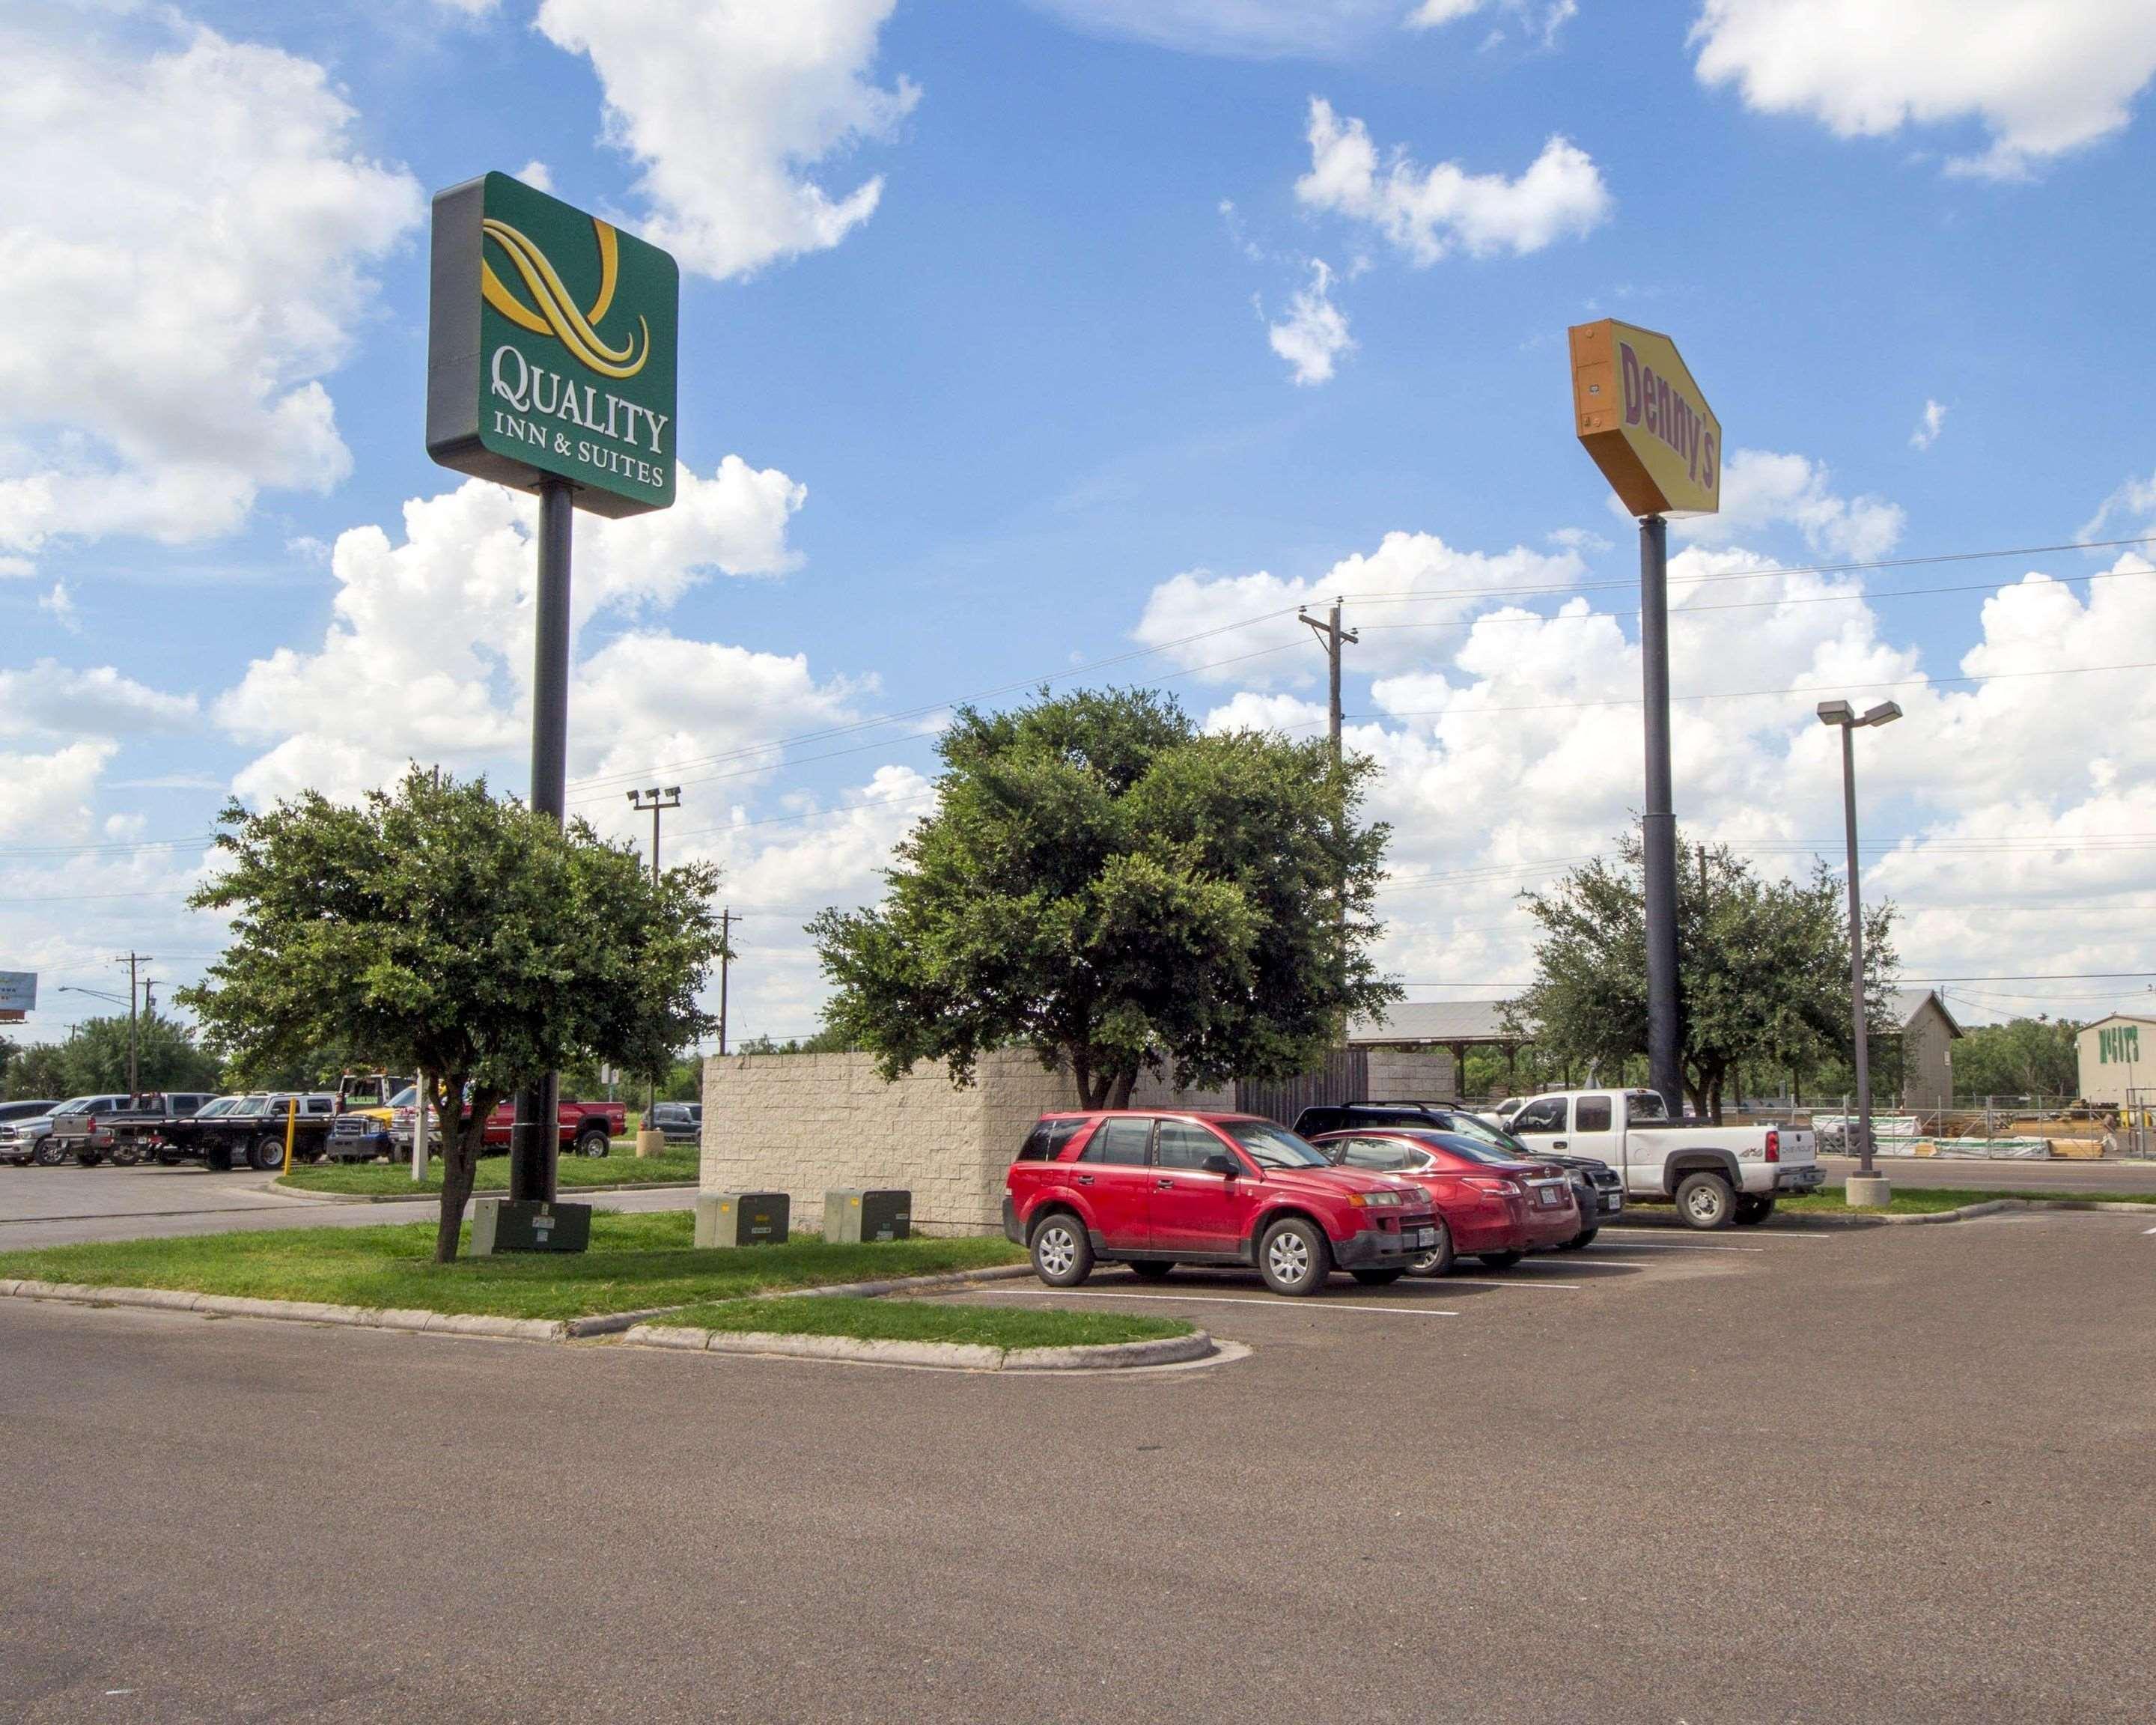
(1645,421)
(551,349)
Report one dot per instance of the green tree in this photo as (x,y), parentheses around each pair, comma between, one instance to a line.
(1103,883)
(40,1069)
(1762,968)
(448,932)
(167,1056)
(2034,1057)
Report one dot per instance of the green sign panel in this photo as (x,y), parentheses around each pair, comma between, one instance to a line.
(551,349)
(2120,1046)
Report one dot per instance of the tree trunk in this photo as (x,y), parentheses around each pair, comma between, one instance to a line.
(1714,1102)
(460,1151)
(1121,1093)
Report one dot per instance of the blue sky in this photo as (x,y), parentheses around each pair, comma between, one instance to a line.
(1032,402)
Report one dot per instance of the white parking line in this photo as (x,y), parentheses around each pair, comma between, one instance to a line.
(1480,1281)
(1322,1305)
(1673,1246)
(2145,1230)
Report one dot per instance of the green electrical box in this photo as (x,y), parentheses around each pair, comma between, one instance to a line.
(742,1219)
(851,1216)
(503,1225)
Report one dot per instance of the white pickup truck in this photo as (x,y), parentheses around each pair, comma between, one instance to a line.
(1718,1175)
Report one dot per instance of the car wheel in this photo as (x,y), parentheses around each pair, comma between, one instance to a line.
(48,1154)
(1149,1270)
(218,1158)
(1501,1260)
(1062,1251)
(1752,1211)
(1706,1201)
(169,1159)
(126,1155)
(1580,1240)
(1437,1260)
(593,1141)
(266,1153)
(1294,1257)
(1378,1278)
(88,1158)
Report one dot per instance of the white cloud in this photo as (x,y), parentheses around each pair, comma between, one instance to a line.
(1426,212)
(1257,28)
(50,795)
(427,656)
(537,174)
(51,697)
(60,605)
(185,255)
(1539,19)
(1929,426)
(725,108)
(2042,77)
(2132,504)
(1314,334)
(1411,578)
(1762,489)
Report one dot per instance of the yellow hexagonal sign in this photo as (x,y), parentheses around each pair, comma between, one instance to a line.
(1644,420)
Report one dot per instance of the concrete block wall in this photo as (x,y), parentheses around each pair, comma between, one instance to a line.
(802,1124)
(1412,1075)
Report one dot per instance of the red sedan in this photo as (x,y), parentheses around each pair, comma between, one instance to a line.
(1495,1207)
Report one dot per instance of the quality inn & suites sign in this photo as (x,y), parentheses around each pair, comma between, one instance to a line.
(1644,420)
(551,349)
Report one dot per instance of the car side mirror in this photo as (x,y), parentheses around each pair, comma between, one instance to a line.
(1221,1163)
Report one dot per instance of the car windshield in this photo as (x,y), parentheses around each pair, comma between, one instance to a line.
(407,1097)
(1271,1146)
(222,1105)
(1469,1125)
(1474,1149)
(1645,1105)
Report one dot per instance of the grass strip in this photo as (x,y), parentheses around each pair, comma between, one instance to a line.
(635,1262)
(394,1179)
(1929,1200)
(928,1320)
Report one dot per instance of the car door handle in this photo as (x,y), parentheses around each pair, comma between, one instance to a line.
(1084,1180)
(1163,1185)
(1557,1144)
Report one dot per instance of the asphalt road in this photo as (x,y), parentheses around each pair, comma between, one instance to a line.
(1987,1176)
(57,1206)
(1787,1475)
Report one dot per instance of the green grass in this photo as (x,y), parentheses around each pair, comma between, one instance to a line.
(928,1320)
(395,1179)
(636,1262)
(1929,1200)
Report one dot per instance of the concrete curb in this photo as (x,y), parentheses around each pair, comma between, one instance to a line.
(568,1194)
(1966,1212)
(941,1356)
(452,1323)
(899,1284)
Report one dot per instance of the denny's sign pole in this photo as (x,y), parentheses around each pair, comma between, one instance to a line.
(550,367)
(1644,420)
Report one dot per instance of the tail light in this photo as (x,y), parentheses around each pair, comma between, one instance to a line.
(1503,1188)
(1773,1145)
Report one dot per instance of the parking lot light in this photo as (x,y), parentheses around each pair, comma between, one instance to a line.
(1866,1188)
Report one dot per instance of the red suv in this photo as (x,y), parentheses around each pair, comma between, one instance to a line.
(1491,1205)
(1156,1190)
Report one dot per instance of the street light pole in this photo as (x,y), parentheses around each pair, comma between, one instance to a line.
(1866,1187)
(657,800)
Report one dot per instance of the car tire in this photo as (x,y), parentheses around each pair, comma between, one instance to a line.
(1706,1201)
(1438,1259)
(1581,1241)
(266,1153)
(1752,1211)
(126,1155)
(48,1154)
(1294,1257)
(1150,1269)
(1062,1251)
(218,1158)
(593,1141)
(1501,1260)
(1378,1278)
(88,1158)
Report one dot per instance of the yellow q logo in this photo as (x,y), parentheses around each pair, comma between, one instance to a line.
(556,314)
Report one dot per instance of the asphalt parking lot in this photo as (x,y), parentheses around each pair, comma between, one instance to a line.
(1884,1474)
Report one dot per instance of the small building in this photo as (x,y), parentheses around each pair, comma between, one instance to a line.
(2115,1058)
(1929,1033)
(1418,1048)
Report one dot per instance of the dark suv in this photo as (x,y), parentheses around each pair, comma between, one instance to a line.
(1598,1187)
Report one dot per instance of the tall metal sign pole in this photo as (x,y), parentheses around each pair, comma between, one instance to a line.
(551,368)
(1638,414)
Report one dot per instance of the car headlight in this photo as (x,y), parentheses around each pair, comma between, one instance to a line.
(1375,1200)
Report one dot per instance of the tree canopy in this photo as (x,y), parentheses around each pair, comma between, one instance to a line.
(2032,1057)
(435,928)
(1115,890)
(1763,966)
(95,1058)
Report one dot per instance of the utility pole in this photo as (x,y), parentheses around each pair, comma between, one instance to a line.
(657,801)
(1334,637)
(134,961)
(727,920)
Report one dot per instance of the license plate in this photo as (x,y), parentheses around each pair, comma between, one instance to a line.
(1548,1197)
(1614,1203)
(1424,1237)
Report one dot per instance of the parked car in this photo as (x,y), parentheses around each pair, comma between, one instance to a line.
(1494,1206)
(253,1130)
(1718,1175)
(123,1134)
(1156,1190)
(678,1122)
(31,1140)
(587,1128)
(1597,1187)
(16,1140)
